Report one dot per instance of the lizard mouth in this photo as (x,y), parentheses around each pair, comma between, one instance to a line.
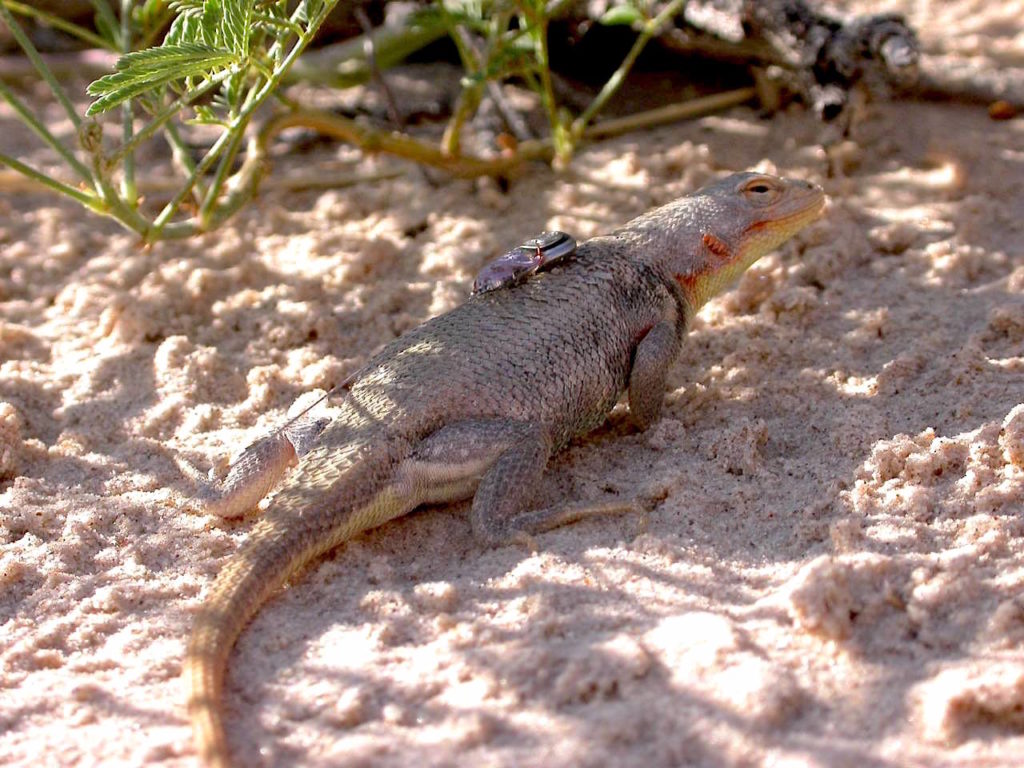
(765,235)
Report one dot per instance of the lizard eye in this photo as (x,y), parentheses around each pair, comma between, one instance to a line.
(761,191)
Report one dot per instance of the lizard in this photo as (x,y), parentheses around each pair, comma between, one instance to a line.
(473,402)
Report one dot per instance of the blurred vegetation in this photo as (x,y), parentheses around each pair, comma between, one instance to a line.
(215,62)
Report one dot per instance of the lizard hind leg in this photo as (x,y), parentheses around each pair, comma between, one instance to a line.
(447,465)
(499,459)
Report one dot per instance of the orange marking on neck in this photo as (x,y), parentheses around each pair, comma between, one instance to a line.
(695,283)
(717,247)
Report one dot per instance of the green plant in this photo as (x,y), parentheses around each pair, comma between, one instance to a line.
(498,41)
(492,48)
(219,60)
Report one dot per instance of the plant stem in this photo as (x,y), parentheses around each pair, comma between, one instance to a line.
(539,31)
(129,193)
(106,13)
(650,28)
(39,64)
(237,133)
(180,156)
(57,22)
(85,198)
(157,28)
(172,207)
(247,178)
(670,113)
(43,133)
(472,90)
(372,140)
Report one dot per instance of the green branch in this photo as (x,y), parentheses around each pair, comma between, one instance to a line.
(128,190)
(648,31)
(233,134)
(43,133)
(57,22)
(39,64)
(85,198)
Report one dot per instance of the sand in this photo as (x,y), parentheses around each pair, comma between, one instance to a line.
(832,571)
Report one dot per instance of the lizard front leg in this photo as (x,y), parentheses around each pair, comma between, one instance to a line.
(654,355)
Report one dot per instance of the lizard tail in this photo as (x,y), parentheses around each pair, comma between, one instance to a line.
(280,544)
(265,563)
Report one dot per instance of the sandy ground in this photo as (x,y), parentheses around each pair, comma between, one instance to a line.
(833,578)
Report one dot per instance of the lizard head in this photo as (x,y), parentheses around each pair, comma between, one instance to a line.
(706,240)
(748,215)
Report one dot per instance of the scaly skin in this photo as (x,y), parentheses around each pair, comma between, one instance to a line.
(472,403)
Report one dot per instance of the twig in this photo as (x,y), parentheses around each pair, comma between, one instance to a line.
(57,22)
(39,64)
(469,96)
(512,118)
(684,110)
(650,29)
(563,141)
(508,113)
(372,140)
(375,73)
(468,166)
(182,160)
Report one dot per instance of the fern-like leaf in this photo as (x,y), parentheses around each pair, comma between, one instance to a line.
(143,71)
(236,24)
